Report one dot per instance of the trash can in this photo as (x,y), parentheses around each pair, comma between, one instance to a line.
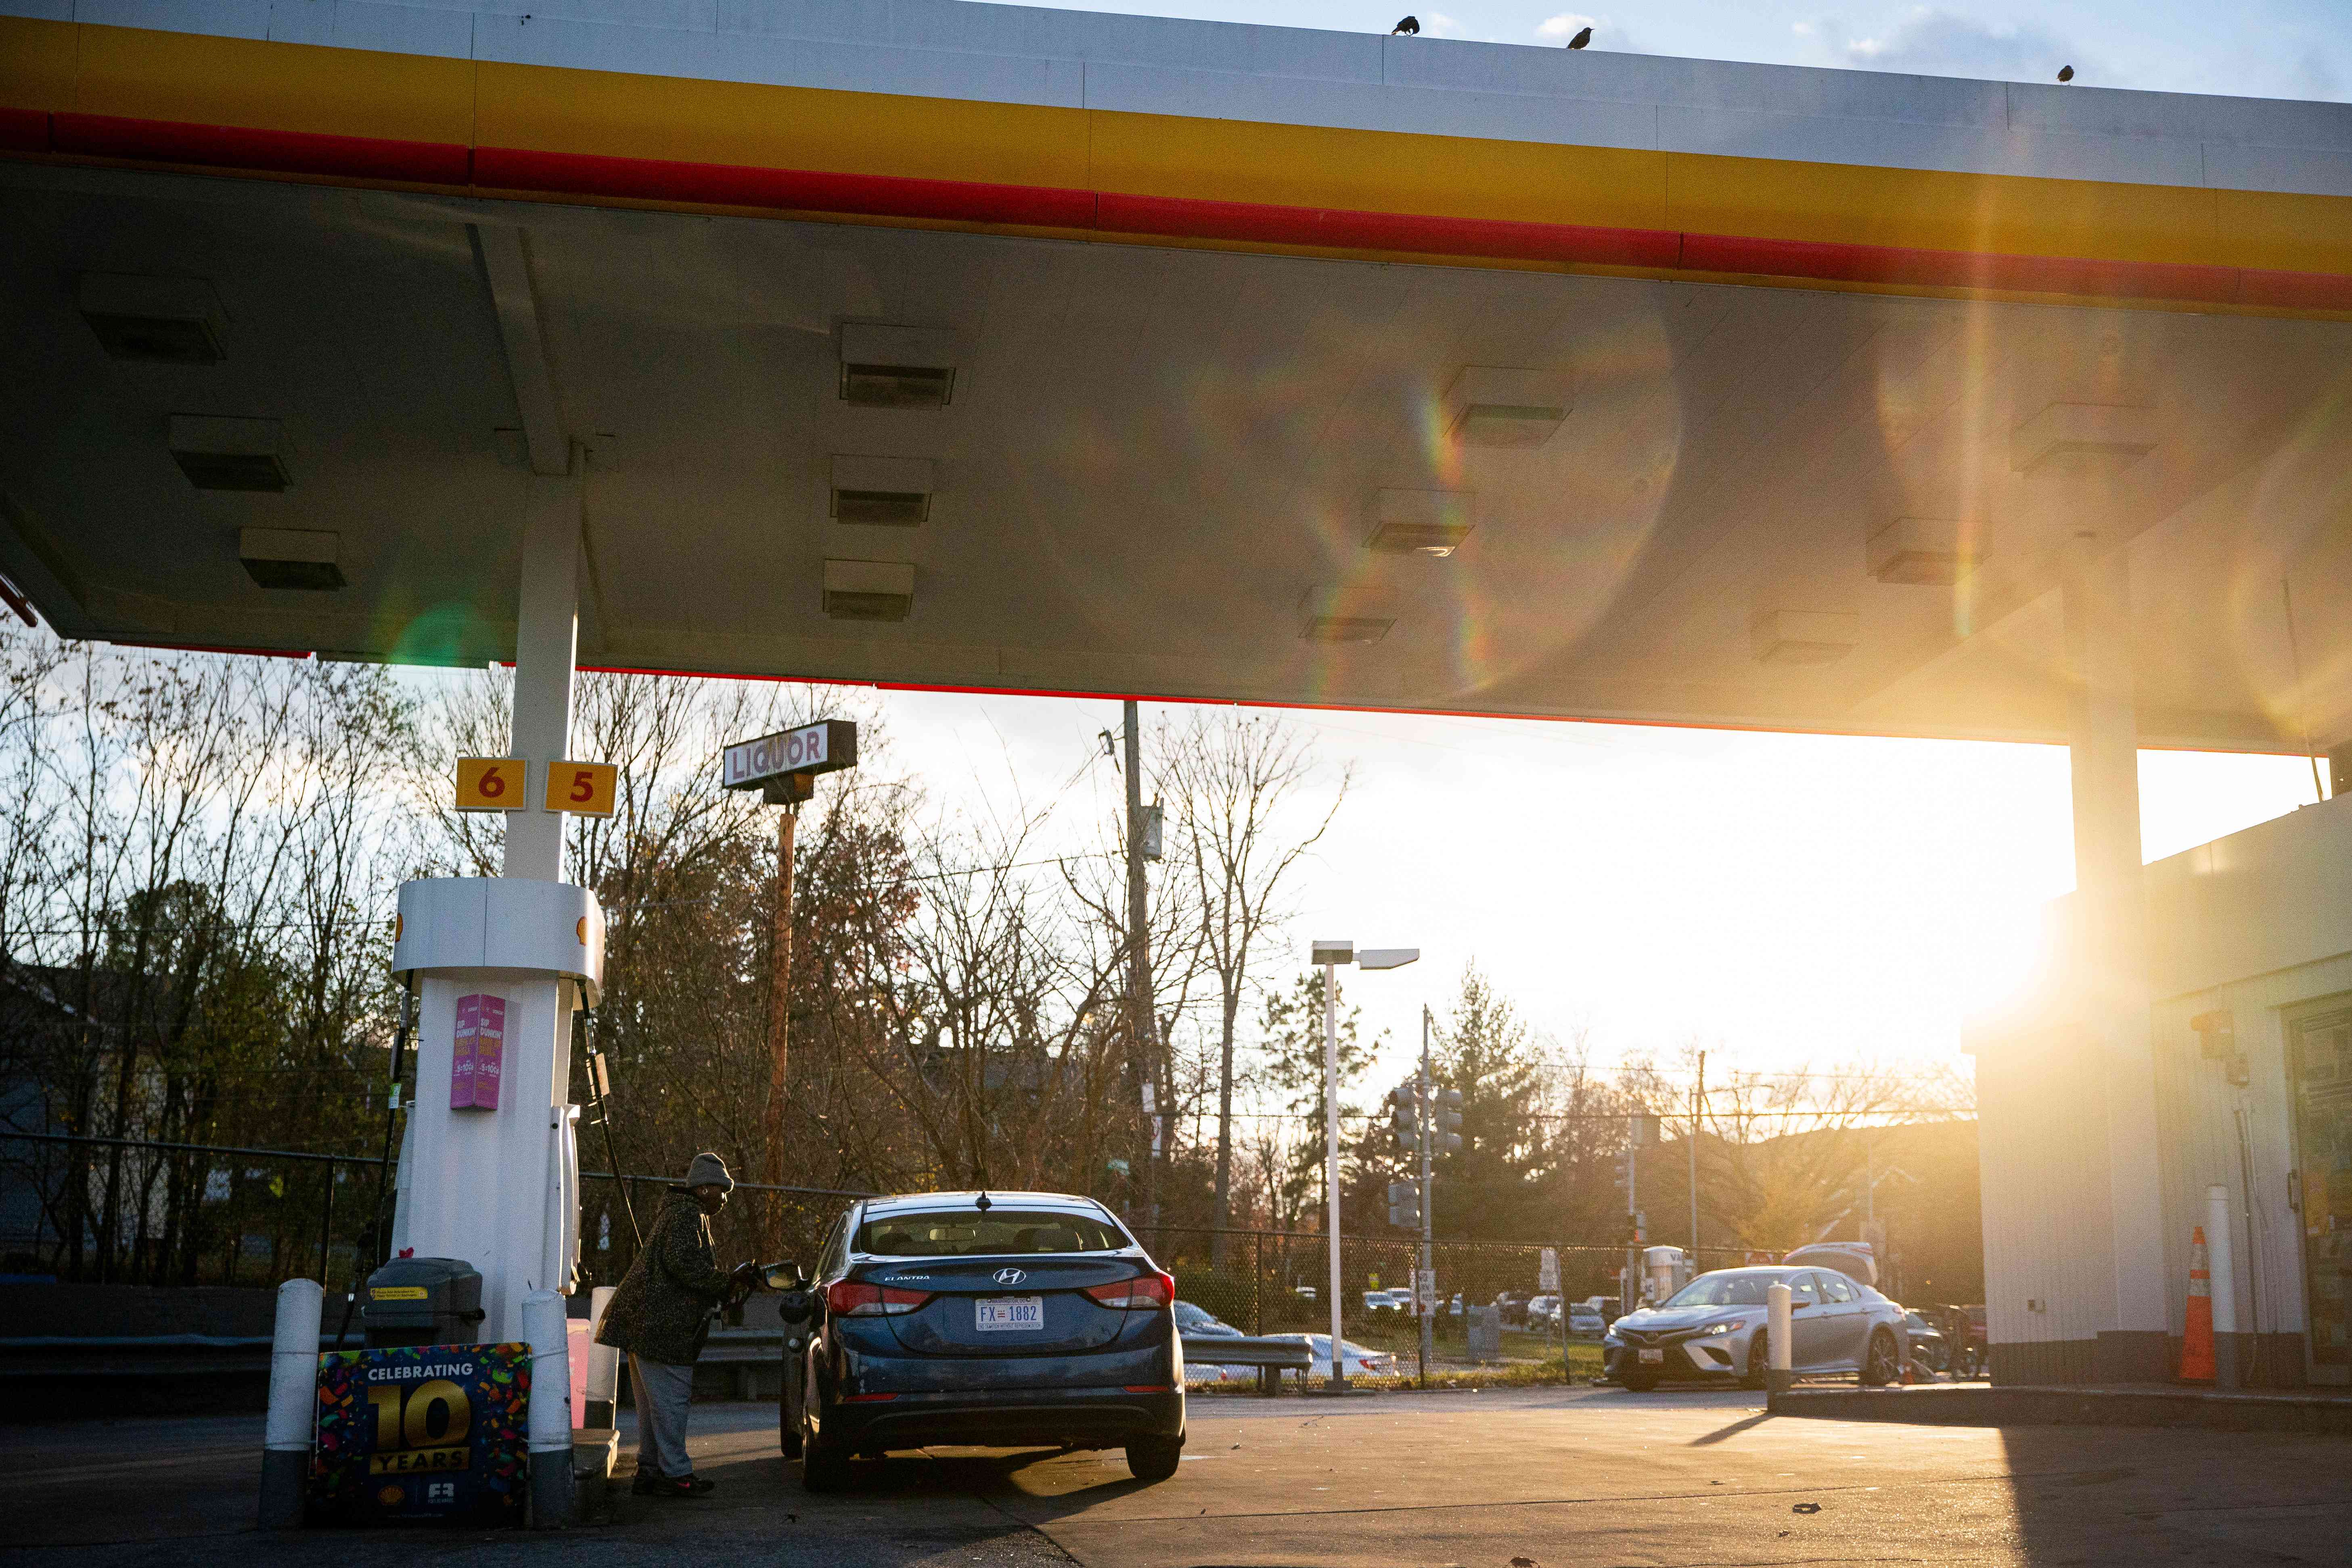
(422,1301)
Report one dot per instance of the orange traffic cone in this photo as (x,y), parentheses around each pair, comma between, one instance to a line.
(2196,1341)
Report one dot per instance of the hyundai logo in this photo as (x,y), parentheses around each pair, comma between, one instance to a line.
(1010,1276)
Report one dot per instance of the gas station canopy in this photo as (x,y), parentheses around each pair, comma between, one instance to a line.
(972,346)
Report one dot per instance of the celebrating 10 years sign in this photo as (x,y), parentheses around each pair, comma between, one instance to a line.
(423,1432)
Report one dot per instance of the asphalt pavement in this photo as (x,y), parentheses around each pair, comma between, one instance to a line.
(1543,1477)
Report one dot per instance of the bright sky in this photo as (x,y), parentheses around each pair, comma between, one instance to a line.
(1780,899)
(2259,49)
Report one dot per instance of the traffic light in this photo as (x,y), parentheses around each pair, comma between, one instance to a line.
(1449,1122)
(1404,1116)
(1404,1205)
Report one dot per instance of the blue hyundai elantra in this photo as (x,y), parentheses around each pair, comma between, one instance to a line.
(1000,1320)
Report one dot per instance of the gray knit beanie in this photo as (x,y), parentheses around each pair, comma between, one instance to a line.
(709,1170)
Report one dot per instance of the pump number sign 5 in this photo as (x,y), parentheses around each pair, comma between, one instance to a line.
(583,789)
(492,784)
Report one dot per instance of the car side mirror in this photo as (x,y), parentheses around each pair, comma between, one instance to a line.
(784,1276)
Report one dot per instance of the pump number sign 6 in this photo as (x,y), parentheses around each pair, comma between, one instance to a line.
(492,784)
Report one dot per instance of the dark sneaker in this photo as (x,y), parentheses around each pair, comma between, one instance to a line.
(647,1483)
(683,1486)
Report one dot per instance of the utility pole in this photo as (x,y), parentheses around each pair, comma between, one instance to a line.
(780,981)
(1631,1286)
(1698,1096)
(1138,966)
(1424,1284)
(1640,1128)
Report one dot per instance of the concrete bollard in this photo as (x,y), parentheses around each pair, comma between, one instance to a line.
(2221,1267)
(1779,1375)
(293,1404)
(604,1365)
(550,1411)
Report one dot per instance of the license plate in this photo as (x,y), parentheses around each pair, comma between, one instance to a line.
(997,1313)
(1650,1358)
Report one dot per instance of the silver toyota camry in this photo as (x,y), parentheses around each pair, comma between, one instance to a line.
(1713,1330)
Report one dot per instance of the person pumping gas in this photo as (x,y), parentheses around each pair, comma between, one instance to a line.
(659,1315)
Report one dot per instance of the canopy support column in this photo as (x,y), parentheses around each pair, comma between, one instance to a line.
(2111,947)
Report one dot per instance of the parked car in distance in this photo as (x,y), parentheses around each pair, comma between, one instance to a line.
(1854,1260)
(1514,1306)
(1355,1361)
(1388,1300)
(1000,1319)
(1584,1323)
(1713,1330)
(1606,1305)
(1929,1347)
(1304,1293)
(1199,1322)
(1543,1313)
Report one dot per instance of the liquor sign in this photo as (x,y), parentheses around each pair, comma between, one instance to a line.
(423,1432)
(820,747)
(477,1062)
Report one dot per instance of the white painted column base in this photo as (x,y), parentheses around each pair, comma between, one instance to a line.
(498,1187)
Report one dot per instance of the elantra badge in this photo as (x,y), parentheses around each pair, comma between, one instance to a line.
(1010,1276)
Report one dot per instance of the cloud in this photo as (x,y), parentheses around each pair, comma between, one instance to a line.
(1438,25)
(1566,24)
(1933,42)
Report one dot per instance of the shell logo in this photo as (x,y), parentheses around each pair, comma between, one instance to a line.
(581,930)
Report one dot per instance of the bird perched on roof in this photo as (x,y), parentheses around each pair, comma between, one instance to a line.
(2065,73)
(1410,25)
(1581,38)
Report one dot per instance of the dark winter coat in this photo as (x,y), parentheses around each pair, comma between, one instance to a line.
(662,1310)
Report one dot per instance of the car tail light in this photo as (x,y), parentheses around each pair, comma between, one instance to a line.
(857,1298)
(1153,1290)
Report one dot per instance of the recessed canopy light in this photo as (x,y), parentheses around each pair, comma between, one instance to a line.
(158,321)
(1490,406)
(1922,551)
(2082,440)
(1805,637)
(1420,522)
(897,367)
(895,491)
(1347,628)
(1433,539)
(291,558)
(869,590)
(220,454)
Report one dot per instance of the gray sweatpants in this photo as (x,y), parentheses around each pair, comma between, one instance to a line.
(663,1394)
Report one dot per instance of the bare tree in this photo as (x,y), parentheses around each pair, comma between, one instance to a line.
(1235,780)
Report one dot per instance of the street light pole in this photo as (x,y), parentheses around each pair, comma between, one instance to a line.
(1424,1284)
(1329,954)
(1331,1160)
(1698,1092)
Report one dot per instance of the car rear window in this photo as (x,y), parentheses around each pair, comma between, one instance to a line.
(967,1233)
